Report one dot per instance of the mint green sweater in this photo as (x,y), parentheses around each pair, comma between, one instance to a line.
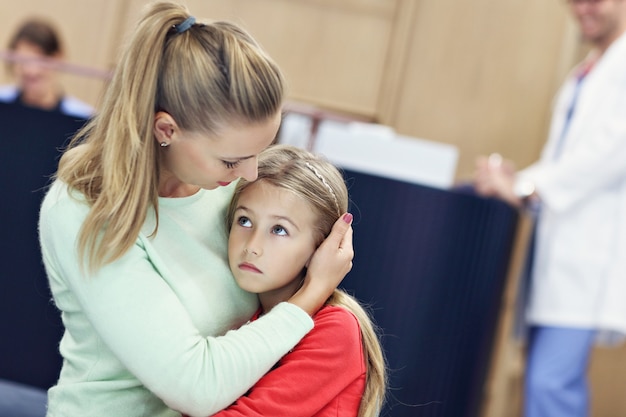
(140,335)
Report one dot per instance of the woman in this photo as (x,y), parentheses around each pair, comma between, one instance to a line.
(133,235)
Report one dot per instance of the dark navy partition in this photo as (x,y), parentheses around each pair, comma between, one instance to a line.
(30,326)
(432,264)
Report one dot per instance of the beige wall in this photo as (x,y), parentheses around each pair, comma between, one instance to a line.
(479,74)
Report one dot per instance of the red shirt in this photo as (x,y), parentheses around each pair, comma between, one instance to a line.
(323,376)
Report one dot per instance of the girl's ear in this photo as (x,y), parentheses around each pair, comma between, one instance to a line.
(164,127)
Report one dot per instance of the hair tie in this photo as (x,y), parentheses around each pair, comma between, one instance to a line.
(185,25)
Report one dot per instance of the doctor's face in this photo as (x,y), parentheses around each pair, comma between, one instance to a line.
(34,75)
(600,21)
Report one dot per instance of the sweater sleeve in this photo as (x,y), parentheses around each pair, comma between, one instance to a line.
(321,367)
(137,316)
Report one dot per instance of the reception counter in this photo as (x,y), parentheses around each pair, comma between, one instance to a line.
(30,325)
(432,265)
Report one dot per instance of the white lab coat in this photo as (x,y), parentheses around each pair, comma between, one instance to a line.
(579,276)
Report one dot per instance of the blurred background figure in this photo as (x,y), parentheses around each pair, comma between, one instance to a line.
(37,119)
(37,50)
(578,187)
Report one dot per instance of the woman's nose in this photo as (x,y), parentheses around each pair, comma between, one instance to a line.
(248,169)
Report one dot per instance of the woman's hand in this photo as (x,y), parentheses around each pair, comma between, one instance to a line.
(329,265)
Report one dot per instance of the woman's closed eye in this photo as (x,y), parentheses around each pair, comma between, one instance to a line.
(231,164)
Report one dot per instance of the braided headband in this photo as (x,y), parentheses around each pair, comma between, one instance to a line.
(321,177)
(185,25)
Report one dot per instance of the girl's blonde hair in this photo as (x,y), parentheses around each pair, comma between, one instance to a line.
(322,186)
(205,77)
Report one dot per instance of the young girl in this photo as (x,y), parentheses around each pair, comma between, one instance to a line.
(276,222)
(133,236)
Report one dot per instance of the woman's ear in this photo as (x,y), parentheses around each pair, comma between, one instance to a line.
(164,128)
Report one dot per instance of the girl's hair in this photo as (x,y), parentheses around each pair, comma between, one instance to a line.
(322,186)
(205,77)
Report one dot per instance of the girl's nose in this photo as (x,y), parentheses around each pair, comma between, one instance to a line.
(254,245)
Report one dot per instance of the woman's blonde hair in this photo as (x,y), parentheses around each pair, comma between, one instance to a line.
(322,186)
(205,77)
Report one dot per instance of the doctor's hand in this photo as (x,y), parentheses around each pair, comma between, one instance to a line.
(495,177)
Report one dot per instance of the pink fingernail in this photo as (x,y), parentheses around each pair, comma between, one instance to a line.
(347,218)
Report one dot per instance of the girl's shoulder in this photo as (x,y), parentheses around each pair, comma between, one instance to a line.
(335,318)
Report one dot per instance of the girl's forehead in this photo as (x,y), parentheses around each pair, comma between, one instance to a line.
(266,195)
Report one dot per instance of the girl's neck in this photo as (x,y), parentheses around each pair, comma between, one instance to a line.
(269,299)
(268,303)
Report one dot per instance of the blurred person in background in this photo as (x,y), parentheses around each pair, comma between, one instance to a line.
(37,119)
(36,49)
(578,191)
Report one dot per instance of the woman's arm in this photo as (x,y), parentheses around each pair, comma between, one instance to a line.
(136,321)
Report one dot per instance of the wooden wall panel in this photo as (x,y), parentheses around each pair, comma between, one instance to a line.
(481,75)
(333,53)
(608,377)
(477,74)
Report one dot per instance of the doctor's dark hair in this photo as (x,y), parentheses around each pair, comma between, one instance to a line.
(206,77)
(320,184)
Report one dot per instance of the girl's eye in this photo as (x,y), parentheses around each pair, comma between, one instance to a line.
(231,165)
(243,221)
(279,230)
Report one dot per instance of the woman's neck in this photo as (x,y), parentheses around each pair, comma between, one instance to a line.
(172,187)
